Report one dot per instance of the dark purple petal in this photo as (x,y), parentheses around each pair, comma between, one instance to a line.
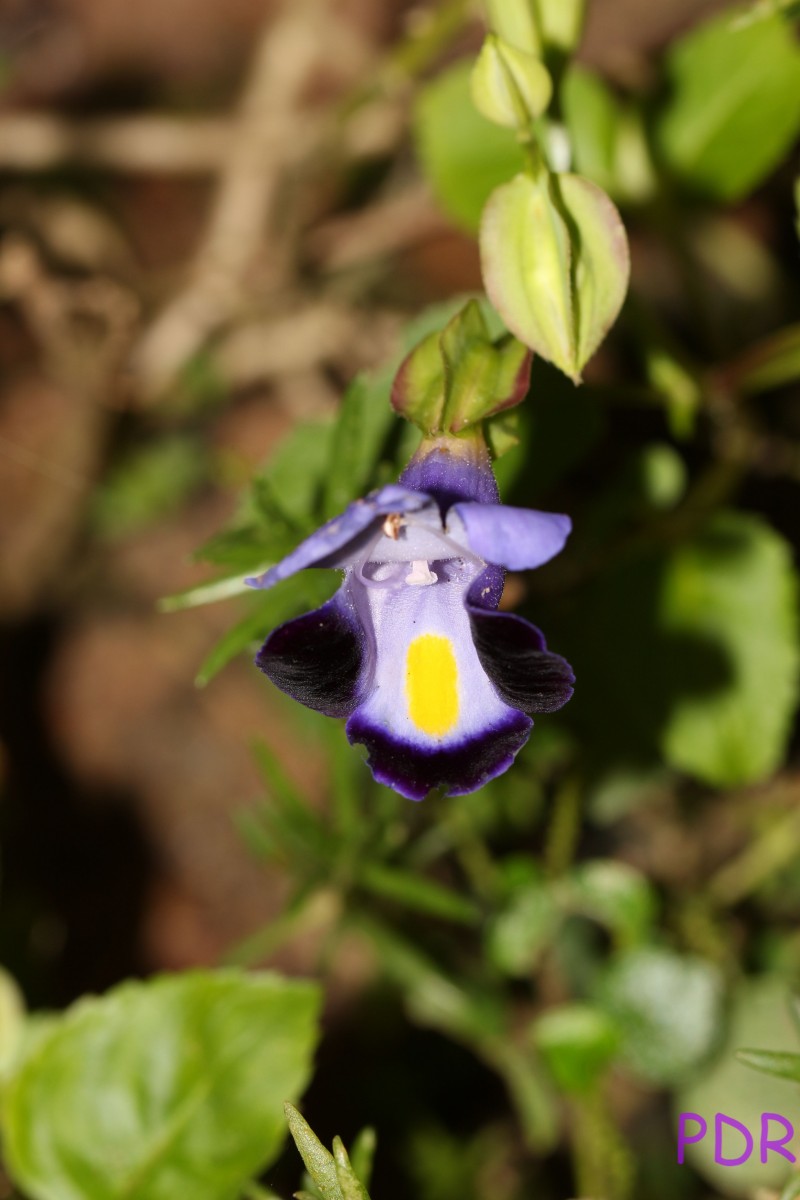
(414,771)
(452,469)
(317,658)
(513,653)
(328,546)
(517,538)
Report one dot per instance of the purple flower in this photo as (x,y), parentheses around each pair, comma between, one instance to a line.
(433,680)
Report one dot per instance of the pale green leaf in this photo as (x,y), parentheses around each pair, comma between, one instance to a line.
(351,1186)
(668,1010)
(463,155)
(734,107)
(555,263)
(615,894)
(516,21)
(578,1043)
(163,1089)
(733,587)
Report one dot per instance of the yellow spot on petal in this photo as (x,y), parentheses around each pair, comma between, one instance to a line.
(432,684)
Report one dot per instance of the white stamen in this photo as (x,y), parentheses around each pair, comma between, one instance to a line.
(421,574)
(460,551)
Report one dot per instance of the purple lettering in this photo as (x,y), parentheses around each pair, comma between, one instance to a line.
(766,1142)
(719,1157)
(683,1137)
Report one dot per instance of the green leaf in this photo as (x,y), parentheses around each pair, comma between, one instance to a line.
(12,1019)
(518,935)
(418,388)
(592,116)
(616,895)
(770,364)
(668,1009)
(460,377)
(319,1161)
(351,1186)
(363,424)
(162,1089)
(418,893)
(772,1062)
(362,1154)
(555,264)
(561,23)
(758,1017)
(481,378)
(463,155)
(734,106)
(297,472)
(299,594)
(516,21)
(509,86)
(733,587)
(150,483)
(608,139)
(212,591)
(578,1043)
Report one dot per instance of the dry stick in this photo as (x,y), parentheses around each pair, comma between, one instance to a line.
(39,141)
(287,53)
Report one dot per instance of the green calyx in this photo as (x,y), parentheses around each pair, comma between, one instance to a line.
(458,378)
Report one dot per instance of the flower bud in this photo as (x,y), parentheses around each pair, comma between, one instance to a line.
(509,86)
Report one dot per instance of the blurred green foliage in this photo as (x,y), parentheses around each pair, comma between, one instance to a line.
(600,930)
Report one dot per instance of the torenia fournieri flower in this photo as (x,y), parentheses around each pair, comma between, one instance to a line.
(434,681)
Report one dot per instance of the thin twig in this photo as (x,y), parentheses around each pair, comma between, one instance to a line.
(157,142)
(288,52)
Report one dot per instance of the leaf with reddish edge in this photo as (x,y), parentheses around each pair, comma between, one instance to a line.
(555,264)
(418,388)
(460,377)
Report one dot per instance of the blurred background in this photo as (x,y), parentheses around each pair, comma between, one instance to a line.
(213,214)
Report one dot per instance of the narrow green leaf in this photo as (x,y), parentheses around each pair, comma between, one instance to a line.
(772,1062)
(770,364)
(319,1161)
(168,1088)
(418,893)
(271,608)
(362,1154)
(210,593)
(351,1185)
(238,638)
